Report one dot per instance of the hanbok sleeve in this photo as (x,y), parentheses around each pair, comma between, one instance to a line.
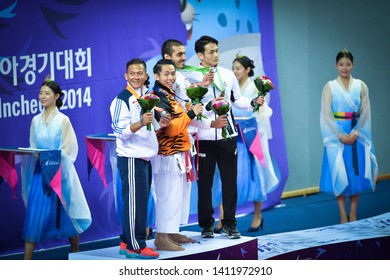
(330,130)
(240,101)
(263,118)
(32,133)
(363,127)
(69,144)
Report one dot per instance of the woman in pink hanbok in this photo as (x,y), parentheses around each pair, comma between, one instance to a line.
(349,164)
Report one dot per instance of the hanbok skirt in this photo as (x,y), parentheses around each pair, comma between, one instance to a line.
(45,218)
(357,182)
(248,181)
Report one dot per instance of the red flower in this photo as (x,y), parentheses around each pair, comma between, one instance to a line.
(147,103)
(196,92)
(222,107)
(263,85)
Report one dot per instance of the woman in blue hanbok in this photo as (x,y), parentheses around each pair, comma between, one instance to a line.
(255,178)
(52,213)
(349,164)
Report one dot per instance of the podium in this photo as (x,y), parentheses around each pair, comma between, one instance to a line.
(8,171)
(96,145)
(217,248)
(96,158)
(367,239)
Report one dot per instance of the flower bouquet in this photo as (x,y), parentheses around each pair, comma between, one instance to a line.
(147,103)
(222,107)
(196,92)
(263,85)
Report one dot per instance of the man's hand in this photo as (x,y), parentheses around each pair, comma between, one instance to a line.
(165,120)
(220,122)
(197,108)
(146,118)
(208,78)
(216,99)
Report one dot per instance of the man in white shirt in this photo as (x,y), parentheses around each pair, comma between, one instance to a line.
(213,149)
(136,145)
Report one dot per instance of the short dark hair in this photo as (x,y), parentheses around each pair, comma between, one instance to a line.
(167,47)
(246,62)
(160,63)
(135,61)
(202,42)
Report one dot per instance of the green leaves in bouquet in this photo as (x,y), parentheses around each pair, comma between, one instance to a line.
(263,85)
(196,92)
(222,107)
(148,102)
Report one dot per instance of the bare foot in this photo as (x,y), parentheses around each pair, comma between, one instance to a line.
(148,233)
(352,218)
(74,244)
(179,238)
(343,219)
(163,243)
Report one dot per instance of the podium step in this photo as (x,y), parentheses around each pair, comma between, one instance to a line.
(217,248)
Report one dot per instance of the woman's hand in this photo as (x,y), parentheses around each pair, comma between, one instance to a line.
(259,100)
(349,139)
(353,137)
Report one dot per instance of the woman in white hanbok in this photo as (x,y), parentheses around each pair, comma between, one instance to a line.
(47,217)
(262,178)
(349,164)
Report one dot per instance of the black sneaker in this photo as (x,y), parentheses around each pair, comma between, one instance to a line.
(208,232)
(231,232)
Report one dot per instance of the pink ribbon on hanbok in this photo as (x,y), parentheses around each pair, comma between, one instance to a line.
(251,137)
(257,150)
(51,171)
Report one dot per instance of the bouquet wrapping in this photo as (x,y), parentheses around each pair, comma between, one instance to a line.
(196,92)
(222,107)
(263,85)
(148,102)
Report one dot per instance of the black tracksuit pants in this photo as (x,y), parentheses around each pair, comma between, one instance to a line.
(223,153)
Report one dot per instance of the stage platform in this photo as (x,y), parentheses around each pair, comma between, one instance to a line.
(367,239)
(217,248)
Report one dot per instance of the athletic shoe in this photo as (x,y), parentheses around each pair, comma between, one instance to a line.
(144,253)
(122,248)
(208,232)
(231,232)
